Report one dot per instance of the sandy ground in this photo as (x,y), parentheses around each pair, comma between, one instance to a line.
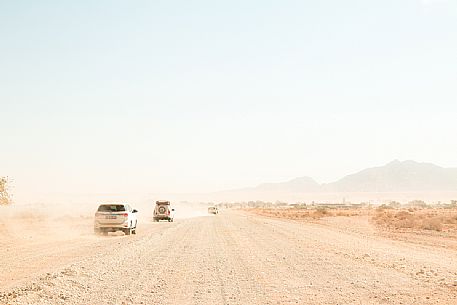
(232,258)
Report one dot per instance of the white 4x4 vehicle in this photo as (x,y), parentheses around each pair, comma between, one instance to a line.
(163,211)
(115,217)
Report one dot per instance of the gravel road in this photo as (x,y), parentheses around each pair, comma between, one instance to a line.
(232,258)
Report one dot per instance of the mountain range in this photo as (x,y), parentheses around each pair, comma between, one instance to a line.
(396,176)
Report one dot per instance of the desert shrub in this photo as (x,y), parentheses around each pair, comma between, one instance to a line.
(435,224)
(5,197)
(402,215)
(321,212)
(398,220)
(452,220)
(449,218)
(406,223)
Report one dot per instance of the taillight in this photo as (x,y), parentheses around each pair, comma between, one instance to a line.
(125,215)
(168,212)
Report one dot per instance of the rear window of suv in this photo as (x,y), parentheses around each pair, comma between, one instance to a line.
(111,208)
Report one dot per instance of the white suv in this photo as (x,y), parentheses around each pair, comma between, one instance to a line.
(115,217)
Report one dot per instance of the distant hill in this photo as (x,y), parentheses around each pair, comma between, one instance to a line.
(407,176)
(396,176)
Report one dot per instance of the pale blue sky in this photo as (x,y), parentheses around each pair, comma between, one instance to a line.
(195,96)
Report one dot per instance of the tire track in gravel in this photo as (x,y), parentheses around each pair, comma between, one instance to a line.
(22,262)
(341,259)
(102,271)
(241,284)
(402,257)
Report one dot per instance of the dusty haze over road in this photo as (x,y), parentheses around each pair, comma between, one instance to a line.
(168,97)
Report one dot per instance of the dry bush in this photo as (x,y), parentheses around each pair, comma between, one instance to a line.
(319,213)
(5,197)
(452,220)
(435,224)
(405,219)
(382,218)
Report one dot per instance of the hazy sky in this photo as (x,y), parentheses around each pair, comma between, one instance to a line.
(196,96)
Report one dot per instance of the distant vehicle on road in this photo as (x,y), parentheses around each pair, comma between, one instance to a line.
(163,211)
(213,210)
(115,217)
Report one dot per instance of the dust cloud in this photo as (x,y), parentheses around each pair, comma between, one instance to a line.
(54,221)
(39,222)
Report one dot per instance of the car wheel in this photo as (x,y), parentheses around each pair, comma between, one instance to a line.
(127,231)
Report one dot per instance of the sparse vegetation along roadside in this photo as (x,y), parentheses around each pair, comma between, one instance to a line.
(309,213)
(5,197)
(417,219)
(385,217)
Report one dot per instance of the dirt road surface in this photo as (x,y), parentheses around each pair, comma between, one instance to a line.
(232,258)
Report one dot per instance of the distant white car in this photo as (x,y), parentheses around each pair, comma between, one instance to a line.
(115,217)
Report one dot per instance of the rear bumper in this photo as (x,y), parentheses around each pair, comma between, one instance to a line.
(107,226)
(162,216)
